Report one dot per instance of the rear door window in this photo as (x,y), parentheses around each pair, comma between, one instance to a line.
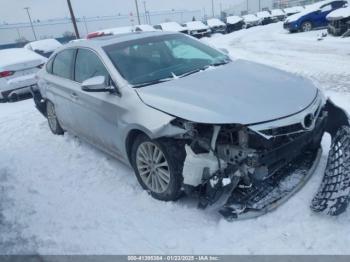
(88,65)
(63,64)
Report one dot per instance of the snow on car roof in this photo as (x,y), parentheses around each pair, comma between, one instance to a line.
(215,22)
(146,28)
(250,18)
(233,19)
(13,56)
(195,25)
(172,27)
(339,13)
(308,9)
(293,9)
(46,45)
(263,14)
(117,30)
(277,12)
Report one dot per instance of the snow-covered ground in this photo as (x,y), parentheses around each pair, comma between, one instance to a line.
(59,195)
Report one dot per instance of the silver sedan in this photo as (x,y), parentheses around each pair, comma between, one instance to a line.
(187,118)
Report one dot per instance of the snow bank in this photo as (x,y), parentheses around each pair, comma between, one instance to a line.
(339,13)
(172,27)
(12,58)
(215,22)
(233,19)
(46,45)
(196,25)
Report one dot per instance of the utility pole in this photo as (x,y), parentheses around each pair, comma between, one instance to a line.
(145,10)
(212,8)
(137,11)
(85,23)
(247,6)
(73,19)
(31,23)
(259,5)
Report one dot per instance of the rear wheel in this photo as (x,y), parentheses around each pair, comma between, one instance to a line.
(158,166)
(306,26)
(52,119)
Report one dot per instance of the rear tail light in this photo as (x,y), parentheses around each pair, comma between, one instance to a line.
(95,34)
(6,73)
(40,66)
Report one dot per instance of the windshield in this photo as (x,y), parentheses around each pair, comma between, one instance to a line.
(156,59)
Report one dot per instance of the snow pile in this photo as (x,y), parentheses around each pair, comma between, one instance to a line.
(172,27)
(46,45)
(233,19)
(14,58)
(277,12)
(339,13)
(196,25)
(263,14)
(308,9)
(215,22)
(250,18)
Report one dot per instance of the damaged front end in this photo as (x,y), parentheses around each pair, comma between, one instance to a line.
(246,171)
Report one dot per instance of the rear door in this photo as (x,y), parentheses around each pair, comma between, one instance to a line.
(58,86)
(321,20)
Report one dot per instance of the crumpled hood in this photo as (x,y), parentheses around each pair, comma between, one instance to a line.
(240,92)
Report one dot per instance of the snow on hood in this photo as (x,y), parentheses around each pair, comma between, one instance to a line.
(263,14)
(339,13)
(308,9)
(240,92)
(215,22)
(146,28)
(277,12)
(46,45)
(250,18)
(172,27)
(233,19)
(196,25)
(19,58)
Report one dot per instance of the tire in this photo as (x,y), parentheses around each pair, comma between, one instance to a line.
(306,26)
(13,98)
(163,182)
(53,122)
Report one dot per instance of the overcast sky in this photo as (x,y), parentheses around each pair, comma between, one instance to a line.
(12,10)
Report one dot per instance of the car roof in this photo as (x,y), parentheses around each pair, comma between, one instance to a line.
(119,38)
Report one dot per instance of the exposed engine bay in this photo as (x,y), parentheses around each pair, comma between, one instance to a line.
(246,171)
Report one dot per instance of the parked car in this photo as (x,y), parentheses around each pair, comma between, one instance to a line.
(43,47)
(188,119)
(278,15)
(251,20)
(234,23)
(293,10)
(18,67)
(216,26)
(197,29)
(314,16)
(171,27)
(339,22)
(265,17)
(144,28)
(111,31)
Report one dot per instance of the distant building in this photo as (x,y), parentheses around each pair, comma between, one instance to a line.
(288,3)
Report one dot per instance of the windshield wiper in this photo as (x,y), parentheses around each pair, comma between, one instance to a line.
(223,62)
(152,82)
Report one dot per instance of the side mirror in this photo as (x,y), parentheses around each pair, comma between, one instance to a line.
(224,50)
(95,84)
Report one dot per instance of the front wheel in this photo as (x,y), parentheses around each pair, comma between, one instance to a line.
(306,26)
(158,166)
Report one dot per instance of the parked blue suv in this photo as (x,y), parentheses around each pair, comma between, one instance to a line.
(314,16)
